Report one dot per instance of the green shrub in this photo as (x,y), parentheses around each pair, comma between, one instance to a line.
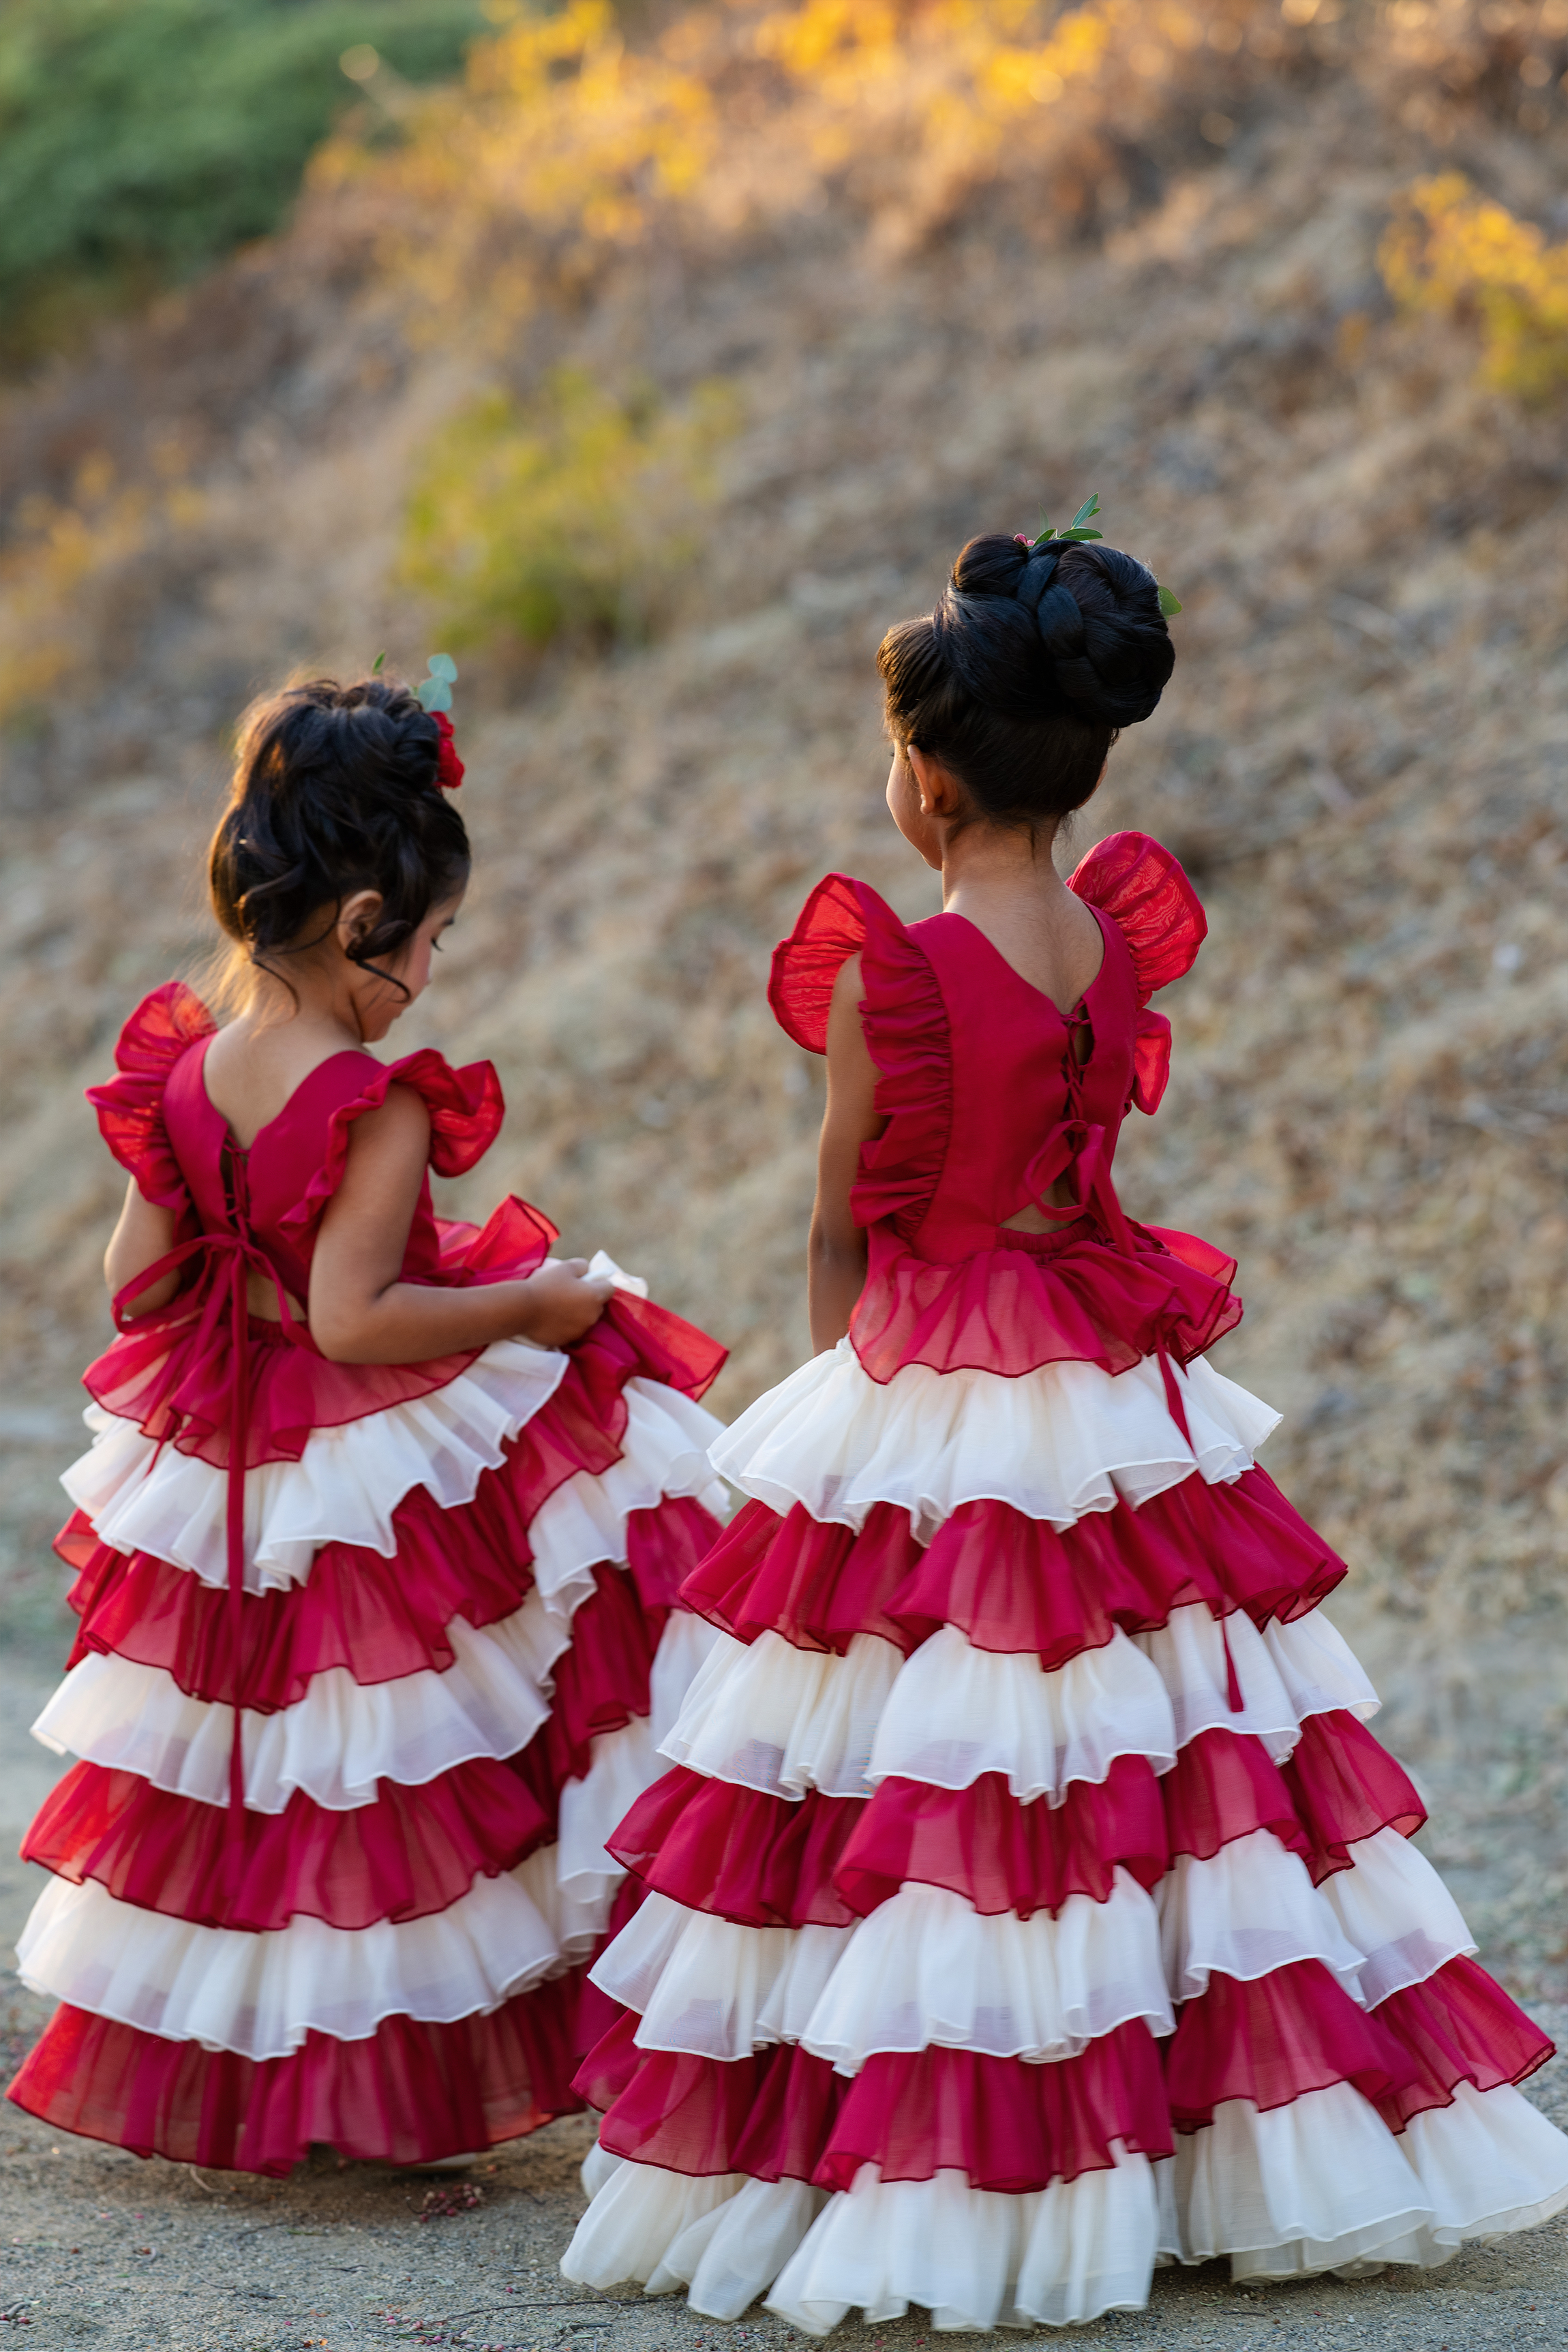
(141,138)
(571,516)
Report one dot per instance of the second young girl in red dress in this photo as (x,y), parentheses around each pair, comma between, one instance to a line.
(1029,1904)
(414,1497)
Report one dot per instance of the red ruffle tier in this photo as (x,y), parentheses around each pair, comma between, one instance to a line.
(782,2114)
(408,2094)
(413,1851)
(1014,1583)
(380,1619)
(1034,1299)
(174,1378)
(781,1862)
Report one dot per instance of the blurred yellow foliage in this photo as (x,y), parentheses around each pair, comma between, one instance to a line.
(569,516)
(65,563)
(1452,250)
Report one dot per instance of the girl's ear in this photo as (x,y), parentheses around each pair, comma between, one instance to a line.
(940,790)
(357,917)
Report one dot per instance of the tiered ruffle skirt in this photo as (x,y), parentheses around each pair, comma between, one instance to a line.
(1029,1902)
(458,1651)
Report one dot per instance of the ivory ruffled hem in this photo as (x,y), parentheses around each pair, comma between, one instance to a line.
(1320,2184)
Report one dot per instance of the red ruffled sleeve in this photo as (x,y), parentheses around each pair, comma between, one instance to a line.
(130,1106)
(904,1020)
(1142,887)
(466,1107)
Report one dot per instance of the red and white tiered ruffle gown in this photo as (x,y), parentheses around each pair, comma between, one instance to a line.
(444,1595)
(1029,1902)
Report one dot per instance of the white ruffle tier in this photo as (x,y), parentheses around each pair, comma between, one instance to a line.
(977,2259)
(1056,1443)
(924,1969)
(769,1717)
(1316,2186)
(348,1482)
(261,1994)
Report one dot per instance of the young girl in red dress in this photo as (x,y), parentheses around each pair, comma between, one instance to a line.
(412,1495)
(1029,1904)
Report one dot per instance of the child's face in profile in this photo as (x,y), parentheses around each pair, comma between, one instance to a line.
(377,1006)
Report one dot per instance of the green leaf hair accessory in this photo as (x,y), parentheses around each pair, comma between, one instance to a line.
(1077,533)
(436,692)
(375,667)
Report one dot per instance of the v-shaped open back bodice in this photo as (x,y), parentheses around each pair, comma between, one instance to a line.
(1023,1105)
(988,1111)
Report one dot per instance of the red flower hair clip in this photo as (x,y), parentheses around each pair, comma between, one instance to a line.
(449,770)
(435,694)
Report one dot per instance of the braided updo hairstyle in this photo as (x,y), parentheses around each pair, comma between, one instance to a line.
(1020,680)
(334,791)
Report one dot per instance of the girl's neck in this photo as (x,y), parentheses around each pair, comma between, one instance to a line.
(1008,887)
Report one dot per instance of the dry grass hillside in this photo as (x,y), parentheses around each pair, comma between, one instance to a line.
(923,266)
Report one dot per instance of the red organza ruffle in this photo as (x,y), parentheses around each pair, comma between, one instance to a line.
(1224,1785)
(1345,1787)
(1271,2041)
(1140,883)
(764,1862)
(1458,2027)
(1002,1855)
(130,1106)
(904,1018)
(177,1384)
(1041,1298)
(378,1619)
(408,2094)
(1014,1583)
(1009,2125)
(413,1851)
(466,1109)
(782,2114)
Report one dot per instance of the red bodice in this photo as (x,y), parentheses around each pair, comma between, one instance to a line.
(259,1210)
(987,1105)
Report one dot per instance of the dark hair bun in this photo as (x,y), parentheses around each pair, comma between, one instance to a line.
(334,792)
(1032,660)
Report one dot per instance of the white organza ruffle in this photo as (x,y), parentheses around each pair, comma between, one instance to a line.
(977,2259)
(770,1716)
(1394,1908)
(335,1743)
(711,1987)
(1243,1912)
(261,1994)
(1056,1443)
(783,1720)
(1321,2185)
(926,1970)
(349,1481)
(956,1712)
(923,1970)
(1286,1673)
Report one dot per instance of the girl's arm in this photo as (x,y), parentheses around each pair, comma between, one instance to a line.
(360,1313)
(837,1250)
(145,1233)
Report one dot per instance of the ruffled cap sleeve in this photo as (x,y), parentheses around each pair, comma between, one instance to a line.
(830,929)
(130,1106)
(904,1020)
(466,1107)
(1141,886)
